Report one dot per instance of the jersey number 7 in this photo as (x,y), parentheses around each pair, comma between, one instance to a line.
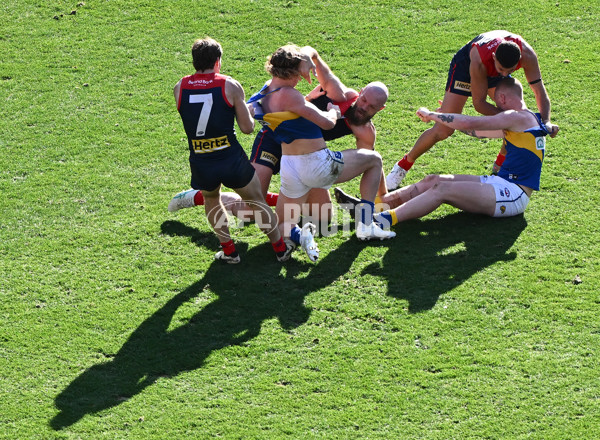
(207,102)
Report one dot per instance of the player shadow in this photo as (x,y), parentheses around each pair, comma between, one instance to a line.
(249,293)
(432,257)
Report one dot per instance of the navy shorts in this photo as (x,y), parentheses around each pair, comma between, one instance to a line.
(232,170)
(266,150)
(459,77)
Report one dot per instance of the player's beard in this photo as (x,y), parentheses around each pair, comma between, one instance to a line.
(354,118)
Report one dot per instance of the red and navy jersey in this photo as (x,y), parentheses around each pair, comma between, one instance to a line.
(487,44)
(342,127)
(208,117)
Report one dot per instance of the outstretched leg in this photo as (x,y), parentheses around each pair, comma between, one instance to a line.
(464,192)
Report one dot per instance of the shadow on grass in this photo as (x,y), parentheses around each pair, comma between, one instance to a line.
(257,289)
(432,257)
(428,258)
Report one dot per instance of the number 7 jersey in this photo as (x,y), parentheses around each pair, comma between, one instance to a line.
(208,117)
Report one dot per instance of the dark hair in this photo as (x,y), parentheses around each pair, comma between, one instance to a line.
(284,63)
(508,54)
(205,53)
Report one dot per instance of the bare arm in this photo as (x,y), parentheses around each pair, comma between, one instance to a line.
(479,85)
(295,103)
(235,94)
(329,82)
(531,68)
(483,134)
(490,125)
(176,92)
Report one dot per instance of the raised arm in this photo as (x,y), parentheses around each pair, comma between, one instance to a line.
(329,82)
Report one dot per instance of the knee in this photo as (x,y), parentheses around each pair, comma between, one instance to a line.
(431,179)
(374,157)
(441,189)
(432,183)
(441,132)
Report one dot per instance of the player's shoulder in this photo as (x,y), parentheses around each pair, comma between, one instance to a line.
(290,93)
(229,81)
(350,94)
(519,120)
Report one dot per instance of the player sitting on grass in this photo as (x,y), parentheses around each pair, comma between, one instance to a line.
(504,195)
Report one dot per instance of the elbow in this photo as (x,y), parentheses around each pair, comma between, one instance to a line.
(247,128)
(479,106)
(328,125)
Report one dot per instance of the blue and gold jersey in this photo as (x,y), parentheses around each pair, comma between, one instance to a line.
(524,155)
(286,126)
(208,117)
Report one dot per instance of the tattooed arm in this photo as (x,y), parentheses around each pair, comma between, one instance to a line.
(477,126)
(482,134)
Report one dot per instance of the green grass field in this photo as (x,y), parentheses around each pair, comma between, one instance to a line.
(115,322)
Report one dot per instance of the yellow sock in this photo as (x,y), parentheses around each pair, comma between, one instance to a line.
(394,216)
(379,207)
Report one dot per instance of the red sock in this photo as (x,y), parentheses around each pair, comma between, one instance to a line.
(199,198)
(228,248)
(500,159)
(279,246)
(271,199)
(405,163)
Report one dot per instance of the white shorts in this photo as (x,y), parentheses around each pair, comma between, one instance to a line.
(510,197)
(300,173)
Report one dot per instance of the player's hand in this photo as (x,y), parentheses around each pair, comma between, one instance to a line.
(315,93)
(338,113)
(552,129)
(306,67)
(424,114)
(440,102)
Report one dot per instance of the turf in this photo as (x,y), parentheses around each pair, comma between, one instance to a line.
(117,323)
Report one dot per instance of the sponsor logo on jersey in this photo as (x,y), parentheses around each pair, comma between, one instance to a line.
(460,85)
(200,82)
(268,157)
(540,143)
(209,145)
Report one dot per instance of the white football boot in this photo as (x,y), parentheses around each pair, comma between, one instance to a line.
(227,258)
(184,199)
(395,178)
(372,232)
(290,247)
(307,241)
